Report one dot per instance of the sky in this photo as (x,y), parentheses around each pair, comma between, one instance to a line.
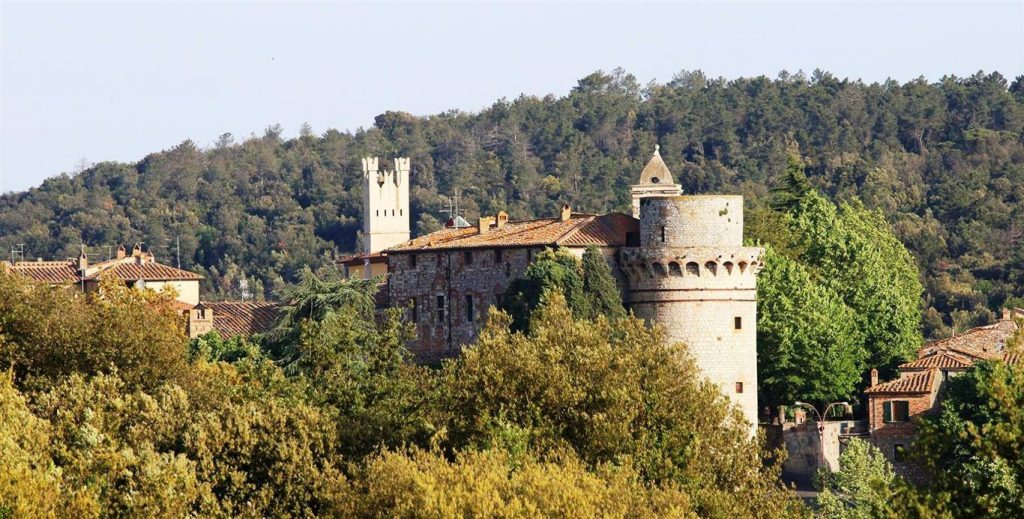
(82,83)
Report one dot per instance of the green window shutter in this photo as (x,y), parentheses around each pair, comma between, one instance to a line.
(887,412)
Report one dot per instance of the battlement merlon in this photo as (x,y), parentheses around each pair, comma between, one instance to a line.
(370,165)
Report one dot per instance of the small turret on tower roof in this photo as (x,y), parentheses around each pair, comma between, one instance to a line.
(655,172)
(655,180)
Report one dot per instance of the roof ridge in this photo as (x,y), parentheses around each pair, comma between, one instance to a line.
(580,224)
(893,386)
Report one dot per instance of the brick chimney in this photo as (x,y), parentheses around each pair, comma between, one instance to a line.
(484,225)
(1007,315)
(502,219)
(83,260)
(137,250)
(566,213)
(120,251)
(874,377)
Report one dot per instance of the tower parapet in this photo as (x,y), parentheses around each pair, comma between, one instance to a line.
(385,204)
(692,275)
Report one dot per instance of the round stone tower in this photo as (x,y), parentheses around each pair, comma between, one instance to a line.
(692,275)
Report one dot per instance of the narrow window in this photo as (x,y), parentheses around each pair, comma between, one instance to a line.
(400,212)
(899,452)
(412,260)
(497,255)
(508,270)
(662,233)
(739,387)
(378,212)
(469,308)
(440,309)
(468,255)
(886,411)
(415,311)
(529,255)
(737,323)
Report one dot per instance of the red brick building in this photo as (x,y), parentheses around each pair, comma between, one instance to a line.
(893,406)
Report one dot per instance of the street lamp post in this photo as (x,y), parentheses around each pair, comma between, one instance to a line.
(821,425)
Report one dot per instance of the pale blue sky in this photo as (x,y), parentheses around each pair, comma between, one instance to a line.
(104,81)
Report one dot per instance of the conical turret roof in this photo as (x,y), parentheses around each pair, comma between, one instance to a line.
(656,172)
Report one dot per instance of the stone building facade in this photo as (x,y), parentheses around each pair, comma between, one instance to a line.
(447,280)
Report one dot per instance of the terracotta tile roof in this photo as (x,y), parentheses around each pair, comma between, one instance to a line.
(918,383)
(47,271)
(231,318)
(942,359)
(976,342)
(131,269)
(1014,357)
(578,231)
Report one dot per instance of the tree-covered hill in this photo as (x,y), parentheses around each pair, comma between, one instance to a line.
(943,161)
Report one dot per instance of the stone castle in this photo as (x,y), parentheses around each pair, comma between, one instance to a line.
(679,262)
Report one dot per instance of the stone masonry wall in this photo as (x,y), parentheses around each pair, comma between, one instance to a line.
(483,277)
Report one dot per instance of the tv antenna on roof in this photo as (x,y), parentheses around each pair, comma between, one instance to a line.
(453,206)
(19,252)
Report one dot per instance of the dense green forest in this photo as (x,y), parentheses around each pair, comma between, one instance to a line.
(943,161)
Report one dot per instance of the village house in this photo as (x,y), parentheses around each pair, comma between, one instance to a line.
(893,405)
(141,270)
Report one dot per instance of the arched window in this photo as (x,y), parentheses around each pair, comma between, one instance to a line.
(728,267)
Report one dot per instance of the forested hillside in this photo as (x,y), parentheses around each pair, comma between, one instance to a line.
(943,161)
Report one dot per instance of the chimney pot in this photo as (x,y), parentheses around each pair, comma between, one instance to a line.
(874,377)
(1006,314)
(566,213)
(120,251)
(484,225)
(501,219)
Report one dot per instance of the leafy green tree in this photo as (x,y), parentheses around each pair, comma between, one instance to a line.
(317,299)
(493,483)
(810,345)
(862,488)
(609,392)
(855,252)
(364,371)
(552,270)
(51,332)
(972,449)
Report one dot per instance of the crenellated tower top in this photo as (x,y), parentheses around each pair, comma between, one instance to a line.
(385,204)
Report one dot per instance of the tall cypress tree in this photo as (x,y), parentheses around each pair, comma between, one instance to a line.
(599,288)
